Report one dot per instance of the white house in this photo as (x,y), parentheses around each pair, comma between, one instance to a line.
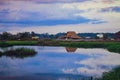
(100,35)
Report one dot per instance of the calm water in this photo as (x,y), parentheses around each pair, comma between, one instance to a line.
(58,63)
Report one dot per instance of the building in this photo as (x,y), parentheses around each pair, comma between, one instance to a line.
(35,38)
(70,35)
(100,35)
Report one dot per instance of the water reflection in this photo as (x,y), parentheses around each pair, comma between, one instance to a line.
(54,60)
(70,49)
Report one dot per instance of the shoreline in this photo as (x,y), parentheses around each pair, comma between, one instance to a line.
(111,46)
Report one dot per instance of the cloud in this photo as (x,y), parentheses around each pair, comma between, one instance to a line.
(44,14)
(102,14)
(48,1)
(79,28)
(111,9)
(99,61)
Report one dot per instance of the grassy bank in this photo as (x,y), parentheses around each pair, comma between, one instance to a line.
(112,75)
(111,46)
(11,43)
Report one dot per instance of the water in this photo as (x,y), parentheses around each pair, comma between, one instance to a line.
(58,63)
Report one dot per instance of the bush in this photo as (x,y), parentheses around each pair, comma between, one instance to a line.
(114,48)
(20,52)
(112,75)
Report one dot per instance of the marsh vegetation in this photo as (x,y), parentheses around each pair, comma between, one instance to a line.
(111,46)
(19,52)
(112,75)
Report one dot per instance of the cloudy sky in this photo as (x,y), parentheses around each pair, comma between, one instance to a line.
(53,16)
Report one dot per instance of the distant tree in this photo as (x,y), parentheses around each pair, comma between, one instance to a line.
(33,34)
(105,36)
(59,35)
(24,35)
(0,36)
(117,35)
(91,35)
(6,36)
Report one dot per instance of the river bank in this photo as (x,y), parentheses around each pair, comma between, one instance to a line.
(111,46)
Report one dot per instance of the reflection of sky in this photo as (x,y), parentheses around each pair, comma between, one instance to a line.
(90,62)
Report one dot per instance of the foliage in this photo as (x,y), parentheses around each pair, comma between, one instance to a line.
(22,42)
(19,52)
(10,43)
(28,35)
(114,48)
(4,44)
(112,75)
(111,46)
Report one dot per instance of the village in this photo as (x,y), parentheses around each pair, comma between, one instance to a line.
(68,36)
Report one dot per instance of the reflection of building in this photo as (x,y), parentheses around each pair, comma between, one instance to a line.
(70,35)
(69,49)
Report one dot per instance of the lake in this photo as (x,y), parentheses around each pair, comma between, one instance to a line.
(58,63)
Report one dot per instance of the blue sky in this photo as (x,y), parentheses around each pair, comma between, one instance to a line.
(53,16)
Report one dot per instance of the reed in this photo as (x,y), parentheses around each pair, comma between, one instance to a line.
(112,75)
(19,52)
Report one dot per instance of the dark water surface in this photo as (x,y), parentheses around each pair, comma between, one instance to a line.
(58,63)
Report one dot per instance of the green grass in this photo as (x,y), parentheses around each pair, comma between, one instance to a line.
(21,42)
(112,75)
(10,43)
(111,46)
(19,52)
(114,48)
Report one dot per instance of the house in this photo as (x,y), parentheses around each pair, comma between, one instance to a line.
(100,35)
(35,37)
(70,35)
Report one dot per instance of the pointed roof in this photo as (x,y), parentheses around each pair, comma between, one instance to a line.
(72,34)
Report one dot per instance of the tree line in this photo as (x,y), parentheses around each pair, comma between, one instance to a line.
(29,35)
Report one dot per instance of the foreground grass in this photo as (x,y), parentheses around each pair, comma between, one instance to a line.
(19,52)
(112,75)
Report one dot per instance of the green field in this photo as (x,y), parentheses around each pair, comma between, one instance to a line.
(11,43)
(111,46)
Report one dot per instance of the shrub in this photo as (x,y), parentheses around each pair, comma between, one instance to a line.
(20,52)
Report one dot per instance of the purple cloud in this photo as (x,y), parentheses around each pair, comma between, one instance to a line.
(46,1)
(113,9)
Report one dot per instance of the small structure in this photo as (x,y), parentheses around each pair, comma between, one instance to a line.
(70,35)
(35,37)
(100,36)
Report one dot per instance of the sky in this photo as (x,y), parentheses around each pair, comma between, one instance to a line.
(53,16)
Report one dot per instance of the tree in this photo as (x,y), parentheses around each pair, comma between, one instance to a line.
(33,34)
(24,35)
(6,36)
(117,35)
